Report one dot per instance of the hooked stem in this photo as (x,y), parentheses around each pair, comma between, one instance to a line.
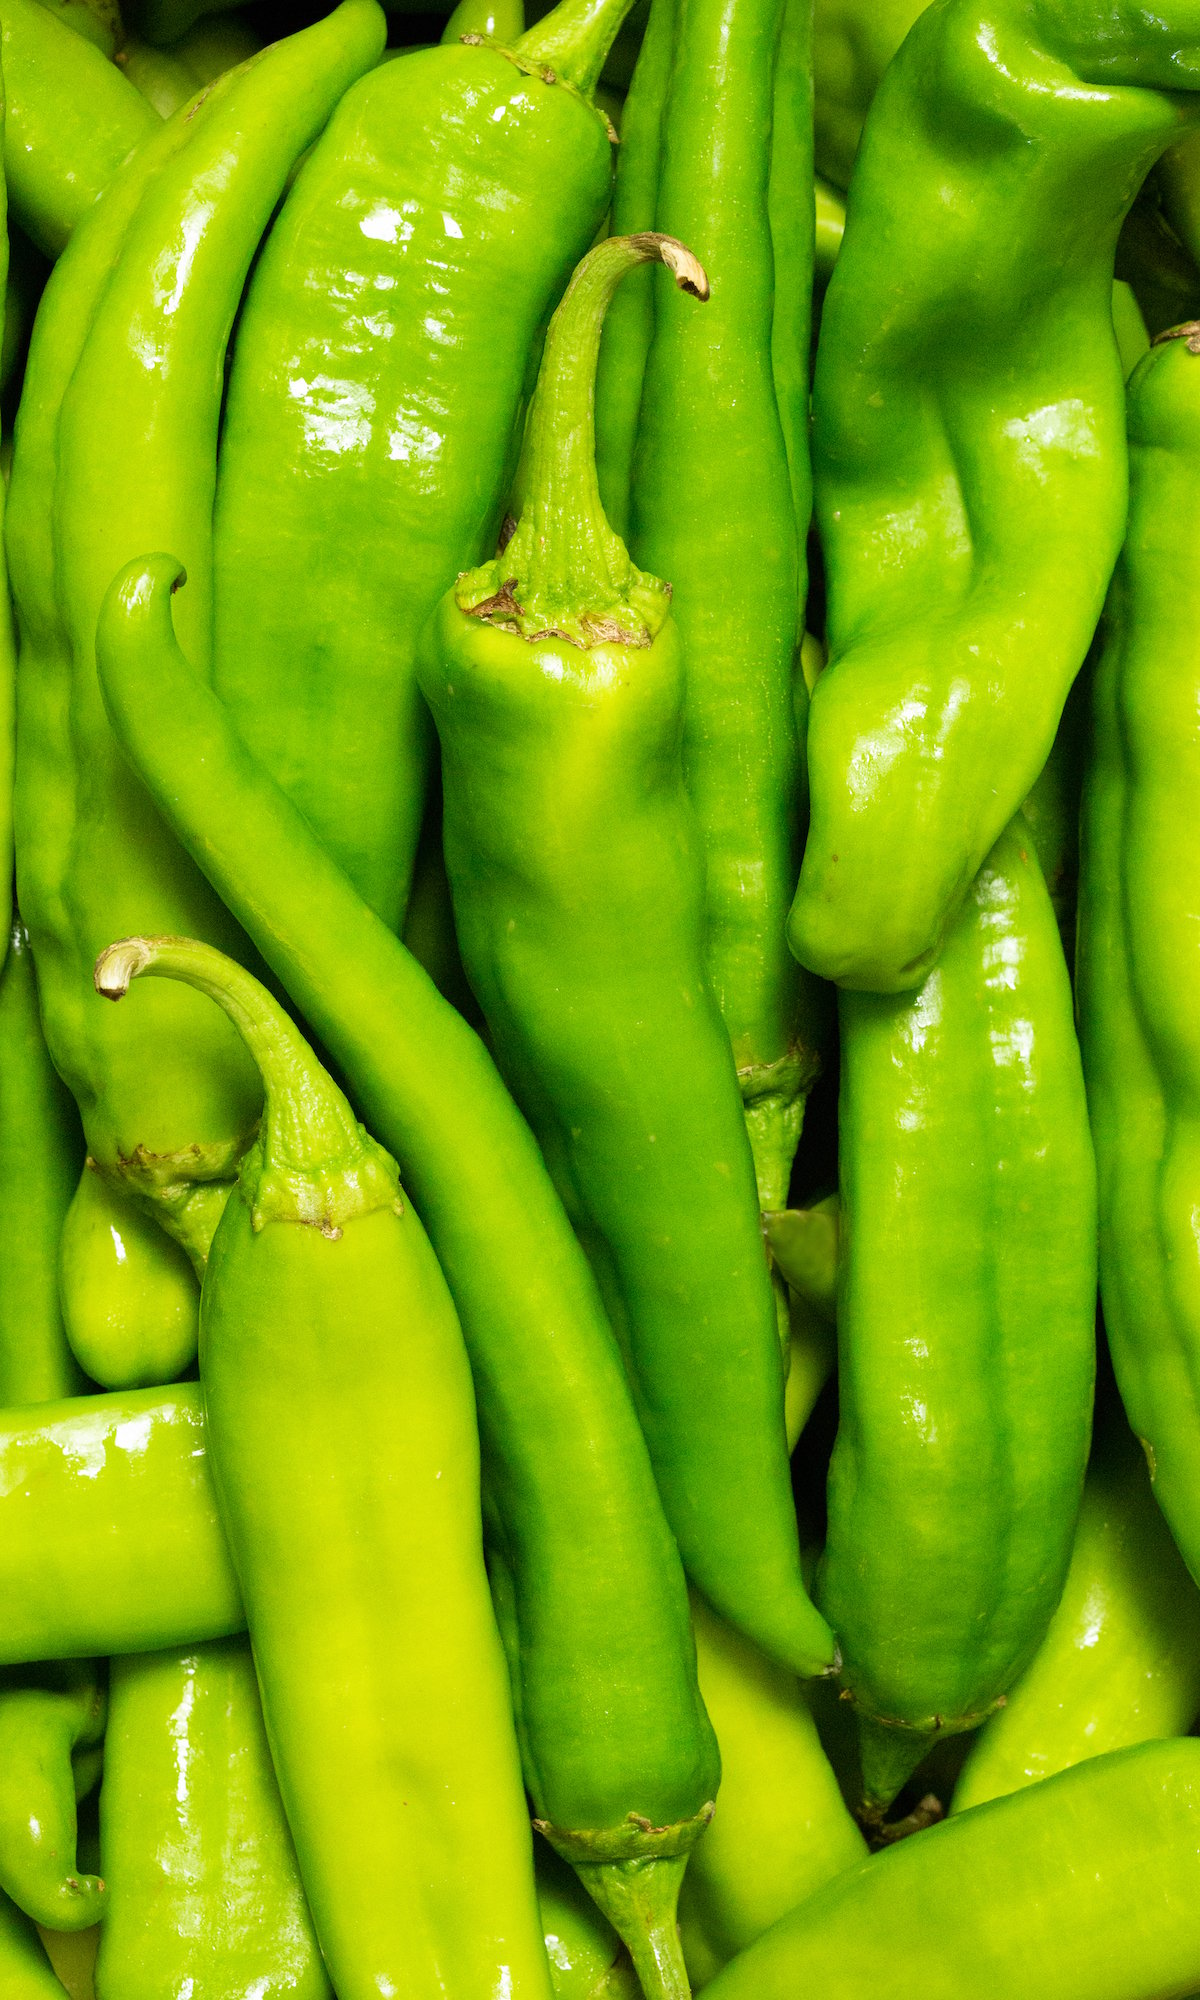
(565,570)
(312,1161)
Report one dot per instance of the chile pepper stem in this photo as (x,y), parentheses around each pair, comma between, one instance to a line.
(307,1122)
(639,1899)
(574,39)
(566,570)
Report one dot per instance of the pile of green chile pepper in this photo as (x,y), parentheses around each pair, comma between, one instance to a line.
(599,1067)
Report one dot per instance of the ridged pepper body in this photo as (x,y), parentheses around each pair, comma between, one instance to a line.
(966,1304)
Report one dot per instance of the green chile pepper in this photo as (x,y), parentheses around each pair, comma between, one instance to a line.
(853,43)
(969,449)
(629,322)
(215,43)
(376,389)
(966,1309)
(555,681)
(1083,1888)
(1120,1663)
(51,1724)
(587,1961)
(111,1542)
(156,74)
(341,1427)
(782,1829)
(1139,893)
(204,1895)
(25,1971)
(726,522)
(602,1660)
(129,1294)
(40,1151)
(71,118)
(168,1111)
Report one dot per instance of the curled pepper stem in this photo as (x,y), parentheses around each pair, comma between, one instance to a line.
(566,571)
(312,1162)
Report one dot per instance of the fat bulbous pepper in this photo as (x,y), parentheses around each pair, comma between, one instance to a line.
(969,448)
(575,864)
(341,1427)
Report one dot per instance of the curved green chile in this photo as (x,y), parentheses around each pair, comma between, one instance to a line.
(25,1970)
(1120,1663)
(603,1660)
(71,119)
(40,1152)
(966,1308)
(629,322)
(377,388)
(713,510)
(793,244)
(51,1724)
(111,1541)
(853,43)
(781,1829)
(341,1427)
(129,1295)
(555,681)
(1086,1885)
(166,1111)
(204,1894)
(1139,895)
(156,74)
(969,449)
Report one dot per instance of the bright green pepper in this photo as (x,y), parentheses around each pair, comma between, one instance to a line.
(51,1724)
(587,1960)
(966,1309)
(555,681)
(1120,1663)
(969,447)
(781,1829)
(1139,894)
(71,119)
(386,345)
(602,1658)
(40,1150)
(1083,1888)
(111,1541)
(129,362)
(341,1427)
(25,1970)
(129,1295)
(204,1895)
(853,43)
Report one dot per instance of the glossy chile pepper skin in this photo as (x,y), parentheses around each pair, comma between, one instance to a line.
(41,1148)
(341,1427)
(129,1293)
(1091,1878)
(969,450)
(600,1646)
(111,1540)
(1139,895)
(378,383)
(138,387)
(204,1894)
(52,1721)
(555,680)
(25,1970)
(966,1315)
(1120,1663)
(587,1958)
(714,510)
(71,121)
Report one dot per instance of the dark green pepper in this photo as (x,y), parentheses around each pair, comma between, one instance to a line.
(341,1427)
(966,1311)
(555,681)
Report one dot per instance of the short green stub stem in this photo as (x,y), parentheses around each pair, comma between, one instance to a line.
(566,574)
(889,1755)
(640,1899)
(312,1162)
